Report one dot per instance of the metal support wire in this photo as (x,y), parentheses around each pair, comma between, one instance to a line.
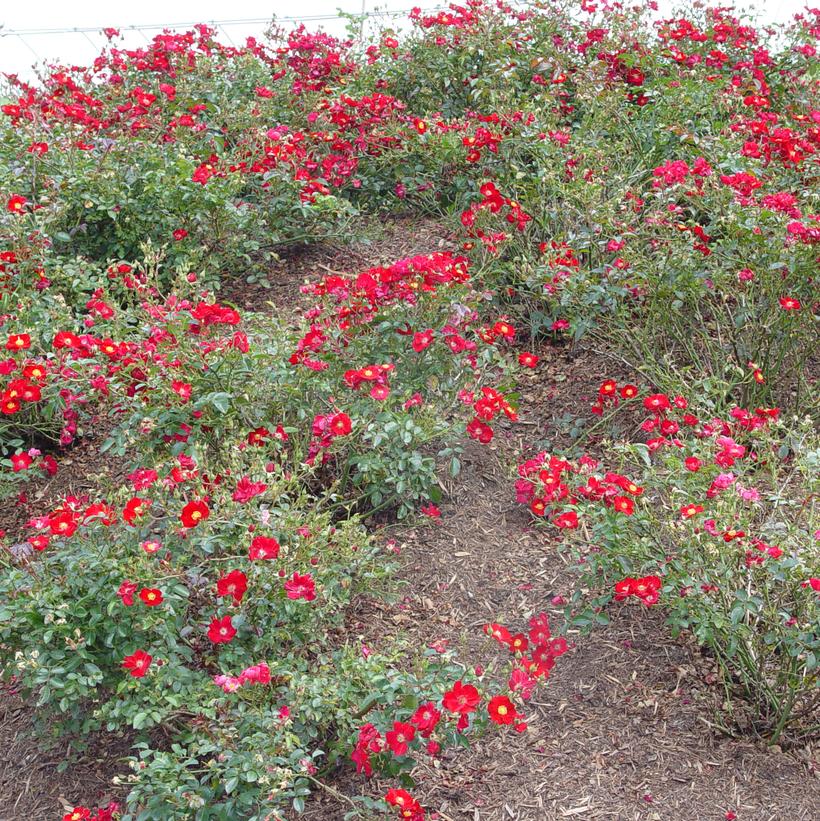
(227,36)
(221,25)
(26,44)
(308,18)
(94,45)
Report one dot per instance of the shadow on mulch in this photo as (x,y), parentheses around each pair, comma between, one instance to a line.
(376,242)
(31,788)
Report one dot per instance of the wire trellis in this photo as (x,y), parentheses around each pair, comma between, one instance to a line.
(29,37)
(26,35)
(244,21)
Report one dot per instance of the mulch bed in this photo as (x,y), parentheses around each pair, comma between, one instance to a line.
(622,728)
(32,788)
(620,731)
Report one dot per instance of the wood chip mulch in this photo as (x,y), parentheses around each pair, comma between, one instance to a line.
(621,729)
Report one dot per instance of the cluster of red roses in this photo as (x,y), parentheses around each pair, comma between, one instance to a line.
(455,17)
(544,485)
(486,407)
(100,814)
(375,376)
(349,303)
(495,203)
(360,296)
(461,700)
(103,359)
(481,138)
(534,654)
(546,481)
(30,375)
(647,589)
(64,520)
(408,807)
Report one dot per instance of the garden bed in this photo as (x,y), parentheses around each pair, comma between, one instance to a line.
(622,731)
(423,427)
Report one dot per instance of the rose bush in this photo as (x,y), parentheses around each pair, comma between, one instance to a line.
(713,518)
(644,187)
(230,552)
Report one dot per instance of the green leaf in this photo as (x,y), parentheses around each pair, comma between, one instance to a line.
(221,401)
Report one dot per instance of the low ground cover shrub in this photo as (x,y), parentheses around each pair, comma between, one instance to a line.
(649,191)
(714,519)
(641,186)
(206,595)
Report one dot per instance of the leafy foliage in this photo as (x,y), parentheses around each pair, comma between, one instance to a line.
(647,187)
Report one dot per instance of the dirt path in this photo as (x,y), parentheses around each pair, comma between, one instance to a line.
(618,730)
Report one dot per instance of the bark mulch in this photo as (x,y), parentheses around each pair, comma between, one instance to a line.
(33,787)
(622,730)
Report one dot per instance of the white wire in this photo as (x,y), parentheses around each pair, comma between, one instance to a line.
(308,18)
